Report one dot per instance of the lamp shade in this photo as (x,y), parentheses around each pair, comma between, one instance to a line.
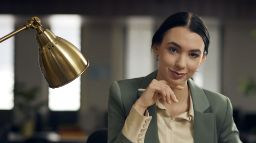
(60,61)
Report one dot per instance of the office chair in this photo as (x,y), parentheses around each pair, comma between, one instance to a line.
(98,136)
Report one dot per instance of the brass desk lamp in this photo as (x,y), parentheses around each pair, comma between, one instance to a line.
(60,61)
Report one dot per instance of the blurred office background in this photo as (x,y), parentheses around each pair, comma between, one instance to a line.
(115,37)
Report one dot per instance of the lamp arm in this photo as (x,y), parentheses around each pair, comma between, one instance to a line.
(33,23)
(12,34)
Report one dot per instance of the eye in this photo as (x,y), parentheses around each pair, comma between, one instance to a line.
(173,49)
(194,55)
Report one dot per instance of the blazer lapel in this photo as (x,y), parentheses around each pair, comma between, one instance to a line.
(152,132)
(205,122)
(204,128)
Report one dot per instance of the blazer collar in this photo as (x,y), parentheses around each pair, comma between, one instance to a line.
(200,101)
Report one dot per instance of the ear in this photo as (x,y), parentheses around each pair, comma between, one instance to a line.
(155,49)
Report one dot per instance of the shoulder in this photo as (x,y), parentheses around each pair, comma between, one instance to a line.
(129,83)
(126,83)
(134,83)
(125,92)
(206,99)
(221,106)
(127,88)
(215,97)
(219,103)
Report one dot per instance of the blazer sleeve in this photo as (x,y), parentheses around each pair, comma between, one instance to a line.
(116,116)
(229,132)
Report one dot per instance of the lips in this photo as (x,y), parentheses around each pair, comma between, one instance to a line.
(176,74)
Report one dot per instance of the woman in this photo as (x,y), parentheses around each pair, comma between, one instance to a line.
(167,106)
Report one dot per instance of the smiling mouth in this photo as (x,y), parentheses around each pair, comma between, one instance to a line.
(177,75)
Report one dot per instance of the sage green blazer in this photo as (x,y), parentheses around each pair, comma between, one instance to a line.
(213,120)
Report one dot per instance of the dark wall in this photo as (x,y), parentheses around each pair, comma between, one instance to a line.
(214,8)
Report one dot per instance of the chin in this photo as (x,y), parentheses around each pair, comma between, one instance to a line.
(177,81)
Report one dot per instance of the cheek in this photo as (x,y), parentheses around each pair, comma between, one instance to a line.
(166,59)
(193,66)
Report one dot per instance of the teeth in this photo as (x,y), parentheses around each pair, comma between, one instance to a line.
(179,74)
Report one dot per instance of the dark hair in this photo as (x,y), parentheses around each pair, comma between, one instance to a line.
(186,19)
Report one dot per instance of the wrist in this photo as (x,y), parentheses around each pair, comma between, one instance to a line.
(140,107)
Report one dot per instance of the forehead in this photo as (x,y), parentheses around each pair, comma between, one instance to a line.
(184,38)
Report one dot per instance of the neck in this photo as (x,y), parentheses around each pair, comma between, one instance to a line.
(181,94)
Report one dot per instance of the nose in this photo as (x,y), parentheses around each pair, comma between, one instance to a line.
(181,62)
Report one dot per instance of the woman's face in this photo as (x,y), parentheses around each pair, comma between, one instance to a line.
(180,54)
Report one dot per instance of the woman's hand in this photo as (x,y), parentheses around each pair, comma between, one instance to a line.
(157,89)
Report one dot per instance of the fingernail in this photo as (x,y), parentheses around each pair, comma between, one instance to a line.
(176,100)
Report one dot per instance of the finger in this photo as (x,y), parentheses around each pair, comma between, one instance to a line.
(161,93)
(163,82)
(168,94)
(164,94)
(155,96)
(173,96)
(168,97)
(179,87)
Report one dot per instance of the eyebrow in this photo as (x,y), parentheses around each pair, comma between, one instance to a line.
(177,45)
